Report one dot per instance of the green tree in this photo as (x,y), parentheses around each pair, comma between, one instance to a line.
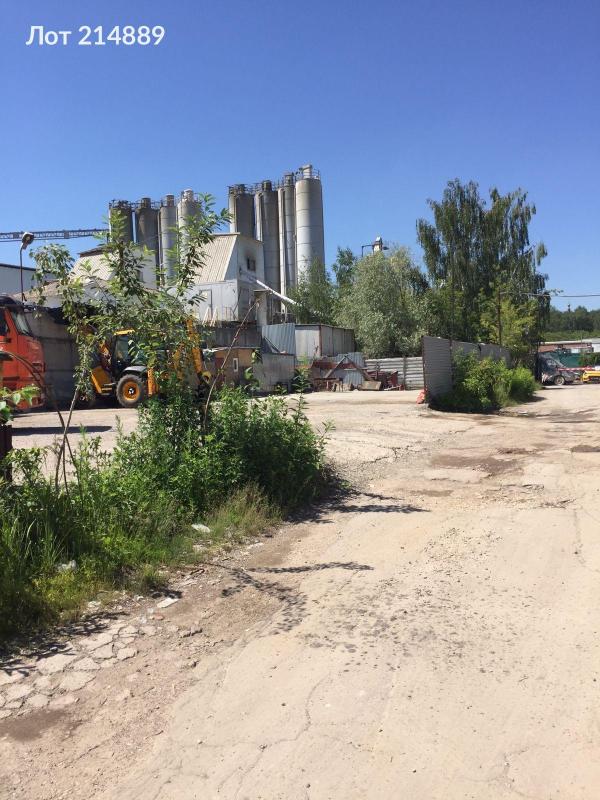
(314,295)
(95,307)
(519,323)
(344,267)
(385,304)
(476,252)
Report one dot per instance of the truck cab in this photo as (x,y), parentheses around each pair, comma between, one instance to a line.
(26,366)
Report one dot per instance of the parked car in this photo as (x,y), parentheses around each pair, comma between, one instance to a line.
(554,373)
(591,375)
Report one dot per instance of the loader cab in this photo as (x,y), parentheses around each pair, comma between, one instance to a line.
(123,353)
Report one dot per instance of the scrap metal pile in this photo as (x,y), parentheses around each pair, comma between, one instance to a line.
(348,372)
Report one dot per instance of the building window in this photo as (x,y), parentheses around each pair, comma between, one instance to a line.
(251,264)
(236,365)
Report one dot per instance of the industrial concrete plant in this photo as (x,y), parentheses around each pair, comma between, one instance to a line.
(276,231)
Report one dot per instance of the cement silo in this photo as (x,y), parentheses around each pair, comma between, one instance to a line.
(241,209)
(146,226)
(167,222)
(267,215)
(122,209)
(187,208)
(287,232)
(310,241)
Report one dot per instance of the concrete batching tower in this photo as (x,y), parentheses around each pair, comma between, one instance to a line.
(288,218)
(241,209)
(146,226)
(167,223)
(310,240)
(267,224)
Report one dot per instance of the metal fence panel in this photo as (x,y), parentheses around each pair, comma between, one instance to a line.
(275,368)
(358,358)
(496,352)
(409,369)
(437,365)
(343,340)
(437,360)
(326,340)
(281,337)
(60,355)
(413,376)
(464,348)
(308,342)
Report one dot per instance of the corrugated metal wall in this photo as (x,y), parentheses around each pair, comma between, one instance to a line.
(281,337)
(496,352)
(276,368)
(60,355)
(343,340)
(222,336)
(437,365)
(409,369)
(437,360)
(319,341)
(358,358)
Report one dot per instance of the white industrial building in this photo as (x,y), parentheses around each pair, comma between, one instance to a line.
(229,282)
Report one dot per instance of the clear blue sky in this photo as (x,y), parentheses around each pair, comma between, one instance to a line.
(388,99)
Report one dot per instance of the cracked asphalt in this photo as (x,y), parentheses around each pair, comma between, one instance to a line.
(432,636)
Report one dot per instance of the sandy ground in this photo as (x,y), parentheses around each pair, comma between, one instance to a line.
(435,635)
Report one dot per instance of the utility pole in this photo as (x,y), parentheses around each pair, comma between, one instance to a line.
(499,313)
(26,240)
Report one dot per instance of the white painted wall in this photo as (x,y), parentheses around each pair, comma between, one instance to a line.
(244,249)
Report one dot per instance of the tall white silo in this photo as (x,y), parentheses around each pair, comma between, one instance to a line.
(167,221)
(241,210)
(188,207)
(267,215)
(310,239)
(287,233)
(146,226)
(123,209)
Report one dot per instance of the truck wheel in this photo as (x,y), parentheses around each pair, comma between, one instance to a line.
(559,380)
(87,399)
(131,390)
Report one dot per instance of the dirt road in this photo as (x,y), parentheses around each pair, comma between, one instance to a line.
(435,636)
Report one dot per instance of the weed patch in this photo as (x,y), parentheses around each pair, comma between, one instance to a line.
(128,513)
(484,385)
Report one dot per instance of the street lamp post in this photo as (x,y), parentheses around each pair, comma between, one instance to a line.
(26,240)
(377,245)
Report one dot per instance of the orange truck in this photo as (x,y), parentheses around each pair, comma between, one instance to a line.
(25,363)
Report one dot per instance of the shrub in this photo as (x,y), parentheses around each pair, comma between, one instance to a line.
(522,384)
(126,513)
(484,385)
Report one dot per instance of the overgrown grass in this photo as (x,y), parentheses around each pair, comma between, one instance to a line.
(484,385)
(131,512)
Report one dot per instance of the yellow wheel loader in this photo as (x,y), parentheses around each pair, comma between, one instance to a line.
(120,372)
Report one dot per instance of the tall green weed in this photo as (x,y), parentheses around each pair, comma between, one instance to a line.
(125,513)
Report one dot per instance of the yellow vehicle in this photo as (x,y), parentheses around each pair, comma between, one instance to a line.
(591,375)
(121,373)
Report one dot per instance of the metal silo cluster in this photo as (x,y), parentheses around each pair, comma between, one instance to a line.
(157,225)
(287,216)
